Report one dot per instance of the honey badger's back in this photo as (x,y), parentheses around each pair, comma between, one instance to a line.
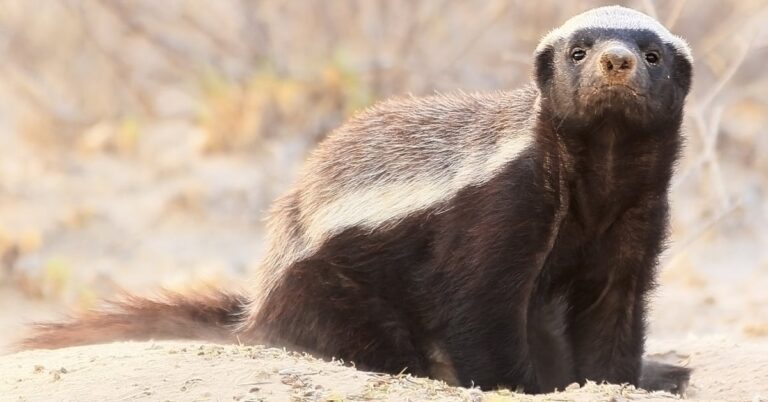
(395,159)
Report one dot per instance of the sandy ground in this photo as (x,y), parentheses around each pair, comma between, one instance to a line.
(176,371)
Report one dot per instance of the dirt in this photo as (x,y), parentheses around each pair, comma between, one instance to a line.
(179,371)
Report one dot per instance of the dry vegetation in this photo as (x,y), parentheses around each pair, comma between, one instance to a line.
(143,140)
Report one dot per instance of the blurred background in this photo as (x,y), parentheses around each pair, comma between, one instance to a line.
(141,141)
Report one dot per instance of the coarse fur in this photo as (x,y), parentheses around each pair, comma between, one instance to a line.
(499,240)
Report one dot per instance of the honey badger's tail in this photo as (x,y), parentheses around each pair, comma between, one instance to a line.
(211,317)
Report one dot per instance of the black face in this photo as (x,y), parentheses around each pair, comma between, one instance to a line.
(600,73)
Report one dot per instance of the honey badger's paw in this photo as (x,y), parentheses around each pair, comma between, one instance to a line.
(657,376)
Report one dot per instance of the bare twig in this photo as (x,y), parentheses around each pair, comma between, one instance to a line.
(674,15)
(650,8)
(480,31)
(701,229)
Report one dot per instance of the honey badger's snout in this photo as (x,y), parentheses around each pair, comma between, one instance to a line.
(617,63)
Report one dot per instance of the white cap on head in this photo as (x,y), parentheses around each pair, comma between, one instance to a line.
(615,17)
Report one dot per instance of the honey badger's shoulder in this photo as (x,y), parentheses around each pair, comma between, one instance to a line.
(395,158)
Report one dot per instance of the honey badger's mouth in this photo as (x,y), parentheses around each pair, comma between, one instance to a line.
(611,90)
(612,97)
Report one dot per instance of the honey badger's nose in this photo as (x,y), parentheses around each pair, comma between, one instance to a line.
(617,62)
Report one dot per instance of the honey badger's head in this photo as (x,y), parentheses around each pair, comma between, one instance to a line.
(613,61)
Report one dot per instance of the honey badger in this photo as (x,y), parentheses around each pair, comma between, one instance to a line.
(505,239)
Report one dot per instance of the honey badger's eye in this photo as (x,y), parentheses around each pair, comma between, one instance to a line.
(578,54)
(652,57)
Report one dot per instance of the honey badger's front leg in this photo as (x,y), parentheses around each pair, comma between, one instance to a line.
(553,359)
(606,324)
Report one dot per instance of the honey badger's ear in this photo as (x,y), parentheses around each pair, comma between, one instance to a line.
(682,69)
(544,67)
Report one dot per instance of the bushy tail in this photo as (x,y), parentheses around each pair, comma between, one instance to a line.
(211,316)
